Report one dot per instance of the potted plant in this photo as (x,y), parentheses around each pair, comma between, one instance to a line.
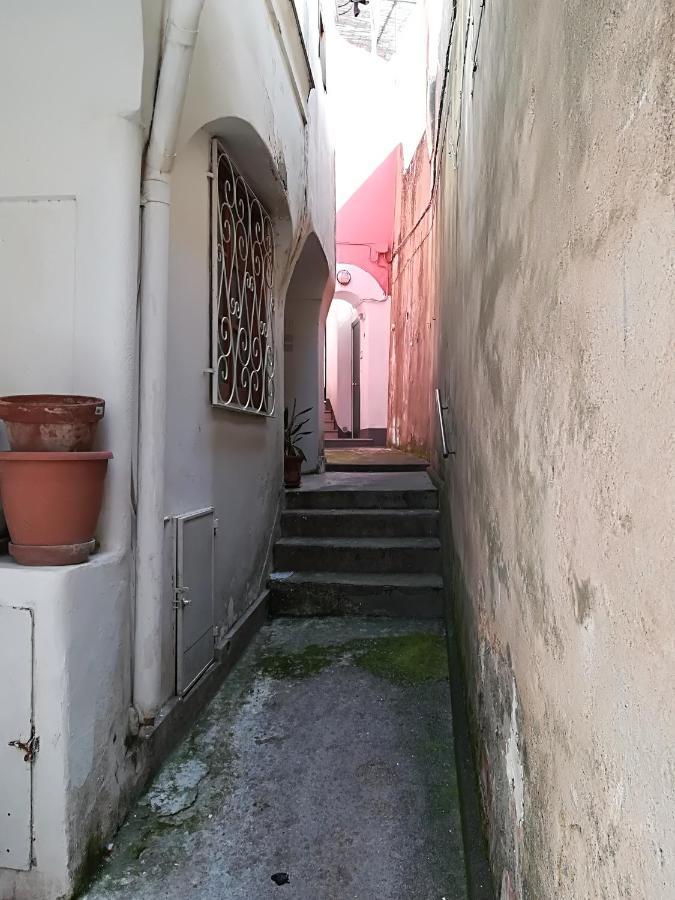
(51,422)
(294,455)
(51,481)
(52,502)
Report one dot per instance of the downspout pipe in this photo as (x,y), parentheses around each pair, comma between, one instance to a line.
(179,42)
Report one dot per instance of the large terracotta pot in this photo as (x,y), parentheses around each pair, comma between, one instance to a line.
(51,422)
(292,466)
(52,502)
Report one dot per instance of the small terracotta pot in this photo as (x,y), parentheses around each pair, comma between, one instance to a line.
(52,423)
(52,499)
(292,466)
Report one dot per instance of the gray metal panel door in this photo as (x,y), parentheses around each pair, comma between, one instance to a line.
(194,596)
(16,727)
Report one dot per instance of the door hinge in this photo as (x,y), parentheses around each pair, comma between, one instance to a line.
(29,748)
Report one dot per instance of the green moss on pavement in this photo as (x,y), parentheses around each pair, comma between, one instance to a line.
(401,659)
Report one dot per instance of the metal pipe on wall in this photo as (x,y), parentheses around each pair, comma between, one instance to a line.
(179,43)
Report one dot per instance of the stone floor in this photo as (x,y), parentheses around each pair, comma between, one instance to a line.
(326,760)
(365,481)
(372,458)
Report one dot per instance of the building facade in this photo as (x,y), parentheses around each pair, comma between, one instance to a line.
(166,194)
(533,287)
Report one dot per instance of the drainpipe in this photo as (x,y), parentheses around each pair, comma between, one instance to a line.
(179,43)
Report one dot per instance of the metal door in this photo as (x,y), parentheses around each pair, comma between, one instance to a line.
(18,743)
(195,538)
(356,379)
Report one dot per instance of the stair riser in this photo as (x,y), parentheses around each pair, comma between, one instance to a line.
(361,500)
(331,600)
(349,444)
(367,467)
(361,559)
(349,524)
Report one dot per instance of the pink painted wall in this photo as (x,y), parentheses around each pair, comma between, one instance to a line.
(365,223)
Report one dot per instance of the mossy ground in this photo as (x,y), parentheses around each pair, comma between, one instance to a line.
(401,659)
(248,792)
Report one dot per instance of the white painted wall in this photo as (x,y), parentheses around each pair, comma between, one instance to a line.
(69,206)
(81,653)
(339,360)
(69,210)
(216,457)
(374,319)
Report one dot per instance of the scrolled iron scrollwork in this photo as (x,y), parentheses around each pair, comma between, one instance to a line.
(243,365)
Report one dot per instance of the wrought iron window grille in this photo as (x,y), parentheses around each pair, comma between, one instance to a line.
(242,299)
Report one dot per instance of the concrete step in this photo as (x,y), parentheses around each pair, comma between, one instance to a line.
(350,593)
(330,437)
(360,523)
(400,555)
(384,491)
(346,443)
(333,465)
(361,499)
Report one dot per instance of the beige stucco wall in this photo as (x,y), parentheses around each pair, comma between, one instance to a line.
(554,291)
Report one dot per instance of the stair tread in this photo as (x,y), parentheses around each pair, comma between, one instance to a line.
(409,512)
(427,543)
(377,482)
(375,579)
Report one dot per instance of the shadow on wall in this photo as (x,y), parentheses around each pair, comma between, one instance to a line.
(307,300)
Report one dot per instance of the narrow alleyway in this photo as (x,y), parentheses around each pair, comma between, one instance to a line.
(325,760)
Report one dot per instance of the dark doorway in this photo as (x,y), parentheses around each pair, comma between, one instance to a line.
(356,379)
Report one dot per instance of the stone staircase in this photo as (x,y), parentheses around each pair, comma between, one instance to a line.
(365,544)
(330,428)
(333,440)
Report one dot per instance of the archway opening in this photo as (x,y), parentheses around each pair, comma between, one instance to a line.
(303,346)
(357,361)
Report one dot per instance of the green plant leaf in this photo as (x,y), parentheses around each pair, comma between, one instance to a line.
(299,426)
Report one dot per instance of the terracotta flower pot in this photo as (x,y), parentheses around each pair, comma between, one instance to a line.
(292,466)
(51,422)
(52,502)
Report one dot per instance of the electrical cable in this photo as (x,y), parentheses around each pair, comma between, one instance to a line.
(439,131)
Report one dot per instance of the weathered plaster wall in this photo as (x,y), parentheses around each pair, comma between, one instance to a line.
(217,457)
(554,284)
(69,212)
(83,77)
(412,378)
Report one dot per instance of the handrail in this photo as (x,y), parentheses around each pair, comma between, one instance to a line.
(440,408)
